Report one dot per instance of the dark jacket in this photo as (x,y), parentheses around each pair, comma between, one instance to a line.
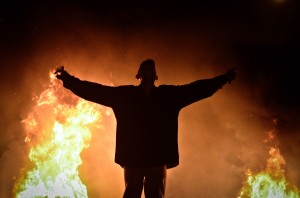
(147,126)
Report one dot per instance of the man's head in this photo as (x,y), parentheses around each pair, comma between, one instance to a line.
(147,70)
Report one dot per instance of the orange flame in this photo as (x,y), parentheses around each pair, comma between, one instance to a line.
(58,129)
(271,182)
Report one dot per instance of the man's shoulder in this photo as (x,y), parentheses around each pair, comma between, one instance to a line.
(167,89)
(126,87)
(163,86)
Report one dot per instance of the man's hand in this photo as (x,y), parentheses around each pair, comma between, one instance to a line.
(230,75)
(60,73)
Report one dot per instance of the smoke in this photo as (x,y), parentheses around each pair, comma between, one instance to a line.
(219,137)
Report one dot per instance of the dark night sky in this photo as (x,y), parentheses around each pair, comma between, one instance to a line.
(264,35)
(260,37)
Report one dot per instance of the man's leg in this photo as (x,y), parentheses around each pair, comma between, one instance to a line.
(155,182)
(134,179)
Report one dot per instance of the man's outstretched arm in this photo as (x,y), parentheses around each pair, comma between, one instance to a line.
(91,91)
(204,88)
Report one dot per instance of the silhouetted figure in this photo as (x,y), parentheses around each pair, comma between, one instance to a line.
(147,122)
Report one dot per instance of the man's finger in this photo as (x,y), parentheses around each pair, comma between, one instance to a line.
(59,69)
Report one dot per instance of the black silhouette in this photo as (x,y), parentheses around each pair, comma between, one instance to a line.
(147,122)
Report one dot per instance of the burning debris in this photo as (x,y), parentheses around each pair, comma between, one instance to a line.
(58,129)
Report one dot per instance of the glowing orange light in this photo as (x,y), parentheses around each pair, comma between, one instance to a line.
(58,129)
(271,182)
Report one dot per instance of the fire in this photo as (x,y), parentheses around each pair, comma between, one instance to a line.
(58,129)
(271,182)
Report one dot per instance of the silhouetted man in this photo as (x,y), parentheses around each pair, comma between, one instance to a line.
(147,122)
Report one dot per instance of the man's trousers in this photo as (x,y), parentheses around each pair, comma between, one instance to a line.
(153,179)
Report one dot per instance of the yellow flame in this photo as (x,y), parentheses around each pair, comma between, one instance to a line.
(58,129)
(271,182)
